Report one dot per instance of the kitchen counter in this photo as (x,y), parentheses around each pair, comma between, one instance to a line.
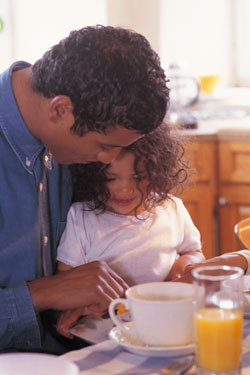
(224,115)
(222,129)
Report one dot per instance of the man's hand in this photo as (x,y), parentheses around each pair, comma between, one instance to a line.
(232,260)
(69,318)
(91,286)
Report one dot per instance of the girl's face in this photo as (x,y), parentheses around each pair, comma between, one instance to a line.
(122,183)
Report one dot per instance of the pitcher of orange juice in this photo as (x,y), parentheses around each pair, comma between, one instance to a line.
(218,319)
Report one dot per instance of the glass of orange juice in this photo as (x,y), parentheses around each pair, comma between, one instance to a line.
(218,319)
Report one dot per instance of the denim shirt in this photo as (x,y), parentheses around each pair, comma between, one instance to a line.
(21,163)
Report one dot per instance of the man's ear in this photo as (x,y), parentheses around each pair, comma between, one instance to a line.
(61,110)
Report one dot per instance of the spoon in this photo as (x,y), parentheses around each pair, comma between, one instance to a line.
(246,291)
(178,367)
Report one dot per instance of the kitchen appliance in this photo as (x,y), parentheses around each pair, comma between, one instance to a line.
(184,92)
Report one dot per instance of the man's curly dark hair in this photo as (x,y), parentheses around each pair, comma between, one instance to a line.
(163,155)
(112,76)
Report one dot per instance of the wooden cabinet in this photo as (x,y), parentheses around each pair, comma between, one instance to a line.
(233,190)
(199,198)
(220,196)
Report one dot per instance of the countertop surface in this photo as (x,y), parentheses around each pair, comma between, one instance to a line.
(222,115)
(221,129)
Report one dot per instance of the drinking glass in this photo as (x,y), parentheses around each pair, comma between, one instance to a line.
(218,319)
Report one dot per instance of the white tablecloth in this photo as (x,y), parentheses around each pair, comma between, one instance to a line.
(108,358)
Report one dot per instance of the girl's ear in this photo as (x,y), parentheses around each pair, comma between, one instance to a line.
(61,110)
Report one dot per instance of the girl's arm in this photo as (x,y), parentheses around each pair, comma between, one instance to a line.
(183,262)
(61,267)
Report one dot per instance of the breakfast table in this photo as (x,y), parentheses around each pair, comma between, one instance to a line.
(110,358)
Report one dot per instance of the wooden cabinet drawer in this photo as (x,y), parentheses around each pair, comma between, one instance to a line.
(199,197)
(234,162)
(202,158)
(200,204)
(220,196)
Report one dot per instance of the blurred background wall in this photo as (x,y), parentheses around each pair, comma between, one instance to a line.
(202,36)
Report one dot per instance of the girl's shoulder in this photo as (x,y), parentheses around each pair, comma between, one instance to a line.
(77,206)
(81,215)
(175,206)
(81,208)
(173,202)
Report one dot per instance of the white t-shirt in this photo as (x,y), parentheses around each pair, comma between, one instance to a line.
(138,250)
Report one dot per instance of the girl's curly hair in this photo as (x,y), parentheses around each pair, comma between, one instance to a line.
(112,76)
(162,153)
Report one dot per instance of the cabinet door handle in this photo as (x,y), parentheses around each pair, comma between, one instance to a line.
(223,201)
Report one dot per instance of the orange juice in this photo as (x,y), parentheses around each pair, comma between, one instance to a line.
(218,339)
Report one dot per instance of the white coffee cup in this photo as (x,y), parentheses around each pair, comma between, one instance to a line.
(162,313)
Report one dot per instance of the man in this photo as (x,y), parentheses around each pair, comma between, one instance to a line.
(235,259)
(95,92)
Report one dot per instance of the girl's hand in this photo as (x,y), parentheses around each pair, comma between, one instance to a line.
(183,263)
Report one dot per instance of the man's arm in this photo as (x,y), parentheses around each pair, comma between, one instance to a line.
(228,259)
(19,326)
(91,285)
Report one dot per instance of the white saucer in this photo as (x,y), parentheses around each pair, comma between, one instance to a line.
(134,345)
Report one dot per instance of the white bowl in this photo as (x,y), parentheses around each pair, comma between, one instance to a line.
(35,364)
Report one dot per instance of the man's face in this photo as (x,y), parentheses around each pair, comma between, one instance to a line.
(69,148)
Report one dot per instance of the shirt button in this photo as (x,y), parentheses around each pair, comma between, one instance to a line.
(48,161)
(45,240)
(28,162)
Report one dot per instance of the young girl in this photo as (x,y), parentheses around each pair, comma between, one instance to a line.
(125,215)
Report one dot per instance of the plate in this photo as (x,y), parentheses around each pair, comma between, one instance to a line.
(95,330)
(134,345)
(36,364)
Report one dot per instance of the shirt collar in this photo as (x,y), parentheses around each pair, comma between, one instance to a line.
(24,144)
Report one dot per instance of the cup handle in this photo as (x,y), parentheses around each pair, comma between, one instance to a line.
(122,327)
